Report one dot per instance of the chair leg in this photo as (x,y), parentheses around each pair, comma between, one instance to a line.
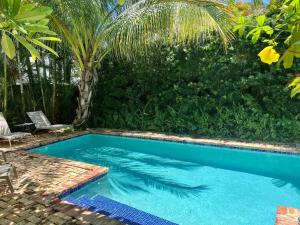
(15,172)
(9,143)
(4,156)
(10,184)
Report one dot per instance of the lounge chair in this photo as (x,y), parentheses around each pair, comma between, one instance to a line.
(6,134)
(41,122)
(6,171)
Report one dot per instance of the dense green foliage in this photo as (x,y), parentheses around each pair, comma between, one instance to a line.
(202,92)
(62,112)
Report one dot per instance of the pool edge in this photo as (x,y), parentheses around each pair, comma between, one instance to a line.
(274,148)
(287,216)
(281,149)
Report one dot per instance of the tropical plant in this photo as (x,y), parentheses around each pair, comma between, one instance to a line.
(281,30)
(27,24)
(95,28)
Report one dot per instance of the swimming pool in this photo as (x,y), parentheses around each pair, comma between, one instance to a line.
(185,183)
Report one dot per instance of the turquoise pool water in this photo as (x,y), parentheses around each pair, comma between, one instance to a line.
(185,183)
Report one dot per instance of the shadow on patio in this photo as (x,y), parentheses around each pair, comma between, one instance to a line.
(40,180)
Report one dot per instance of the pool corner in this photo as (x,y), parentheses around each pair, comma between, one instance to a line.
(287,216)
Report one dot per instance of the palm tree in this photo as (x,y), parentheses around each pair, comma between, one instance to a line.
(127,28)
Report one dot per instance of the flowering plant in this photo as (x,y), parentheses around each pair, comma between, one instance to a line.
(279,28)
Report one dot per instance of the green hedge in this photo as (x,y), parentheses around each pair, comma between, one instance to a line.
(199,91)
(65,105)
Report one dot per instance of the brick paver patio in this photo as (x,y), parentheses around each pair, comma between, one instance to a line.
(41,179)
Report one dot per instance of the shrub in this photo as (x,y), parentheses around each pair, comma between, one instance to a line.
(198,91)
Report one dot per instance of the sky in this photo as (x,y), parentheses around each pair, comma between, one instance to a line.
(265,1)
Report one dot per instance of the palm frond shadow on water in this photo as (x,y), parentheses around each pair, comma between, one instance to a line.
(146,171)
(150,160)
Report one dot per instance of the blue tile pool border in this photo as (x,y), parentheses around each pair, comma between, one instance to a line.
(77,187)
(113,209)
(118,211)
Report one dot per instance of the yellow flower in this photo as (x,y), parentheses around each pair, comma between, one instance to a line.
(269,55)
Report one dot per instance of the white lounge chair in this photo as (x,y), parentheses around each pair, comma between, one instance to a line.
(41,122)
(6,134)
(6,171)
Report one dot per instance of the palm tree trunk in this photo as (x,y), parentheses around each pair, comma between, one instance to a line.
(21,79)
(29,71)
(86,87)
(31,84)
(5,85)
(54,90)
(41,85)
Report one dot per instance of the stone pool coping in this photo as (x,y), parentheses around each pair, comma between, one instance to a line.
(285,215)
(265,147)
(280,148)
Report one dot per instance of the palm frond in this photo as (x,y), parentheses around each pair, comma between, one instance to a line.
(165,22)
(100,26)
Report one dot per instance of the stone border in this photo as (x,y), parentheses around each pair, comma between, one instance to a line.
(29,145)
(264,147)
(278,148)
(53,140)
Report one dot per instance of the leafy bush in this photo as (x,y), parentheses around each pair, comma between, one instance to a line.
(279,28)
(65,106)
(201,92)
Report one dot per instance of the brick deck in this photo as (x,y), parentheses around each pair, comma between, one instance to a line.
(43,178)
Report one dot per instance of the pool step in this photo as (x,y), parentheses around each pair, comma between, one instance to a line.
(119,211)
